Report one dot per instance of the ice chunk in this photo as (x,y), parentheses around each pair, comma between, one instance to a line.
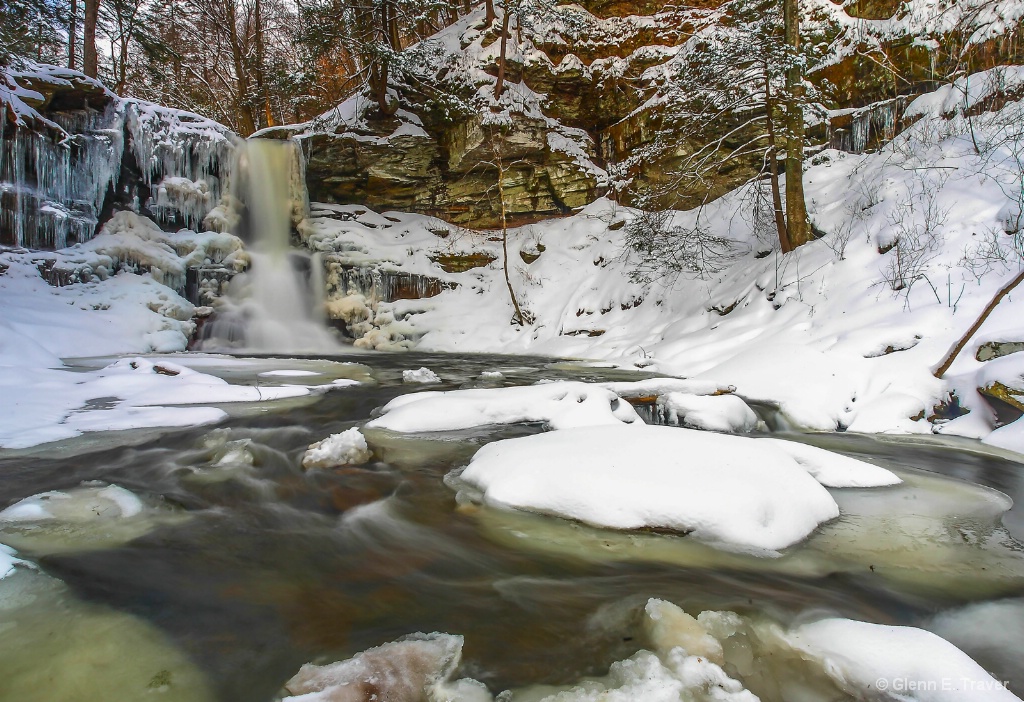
(415,668)
(558,405)
(421,375)
(347,448)
(732,492)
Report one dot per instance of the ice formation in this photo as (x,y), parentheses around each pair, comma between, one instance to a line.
(726,413)
(420,375)
(57,173)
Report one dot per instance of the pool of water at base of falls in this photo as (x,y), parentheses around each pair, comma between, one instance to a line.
(270,566)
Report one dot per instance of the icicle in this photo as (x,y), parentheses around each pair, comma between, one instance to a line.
(185,159)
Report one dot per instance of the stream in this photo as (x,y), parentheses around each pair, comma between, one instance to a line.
(257,567)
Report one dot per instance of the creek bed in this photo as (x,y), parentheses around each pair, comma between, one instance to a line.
(274,567)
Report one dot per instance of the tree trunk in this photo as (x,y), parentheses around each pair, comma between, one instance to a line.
(73,34)
(517,318)
(491,14)
(499,85)
(959,345)
(92,12)
(796,207)
(243,109)
(773,169)
(261,78)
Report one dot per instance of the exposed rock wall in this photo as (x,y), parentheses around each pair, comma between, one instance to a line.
(588,105)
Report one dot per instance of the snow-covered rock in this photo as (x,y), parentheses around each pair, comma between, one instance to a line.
(732,492)
(558,405)
(347,448)
(725,413)
(7,561)
(833,469)
(875,661)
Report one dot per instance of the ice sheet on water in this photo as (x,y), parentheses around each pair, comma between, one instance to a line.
(54,646)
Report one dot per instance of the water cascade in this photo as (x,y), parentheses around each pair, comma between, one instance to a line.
(277,305)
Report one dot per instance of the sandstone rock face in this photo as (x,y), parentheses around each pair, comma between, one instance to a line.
(452,173)
(593,78)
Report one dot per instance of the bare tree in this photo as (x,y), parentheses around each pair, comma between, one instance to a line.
(797,223)
(72,33)
(89,57)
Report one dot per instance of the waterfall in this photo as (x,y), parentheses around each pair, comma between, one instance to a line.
(277,305)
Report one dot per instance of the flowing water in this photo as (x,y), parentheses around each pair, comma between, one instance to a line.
(277,306)
(253,567)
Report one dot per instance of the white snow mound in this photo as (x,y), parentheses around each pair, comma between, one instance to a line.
(560,405)
(732,492)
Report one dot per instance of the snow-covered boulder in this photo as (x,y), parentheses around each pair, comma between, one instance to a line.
(347,448)
(725,413)
(558,405)
(874,661)
(732,492)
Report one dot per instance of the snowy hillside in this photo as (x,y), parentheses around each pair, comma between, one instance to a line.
(842,334)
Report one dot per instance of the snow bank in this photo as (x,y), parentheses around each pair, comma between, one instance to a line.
(725,413)
(903,662)
(347,448)
(732,492)
(558,405)
(132,393)
(417,667)
(421,375)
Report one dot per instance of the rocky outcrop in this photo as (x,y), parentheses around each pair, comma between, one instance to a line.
(450,171)
(589,113)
